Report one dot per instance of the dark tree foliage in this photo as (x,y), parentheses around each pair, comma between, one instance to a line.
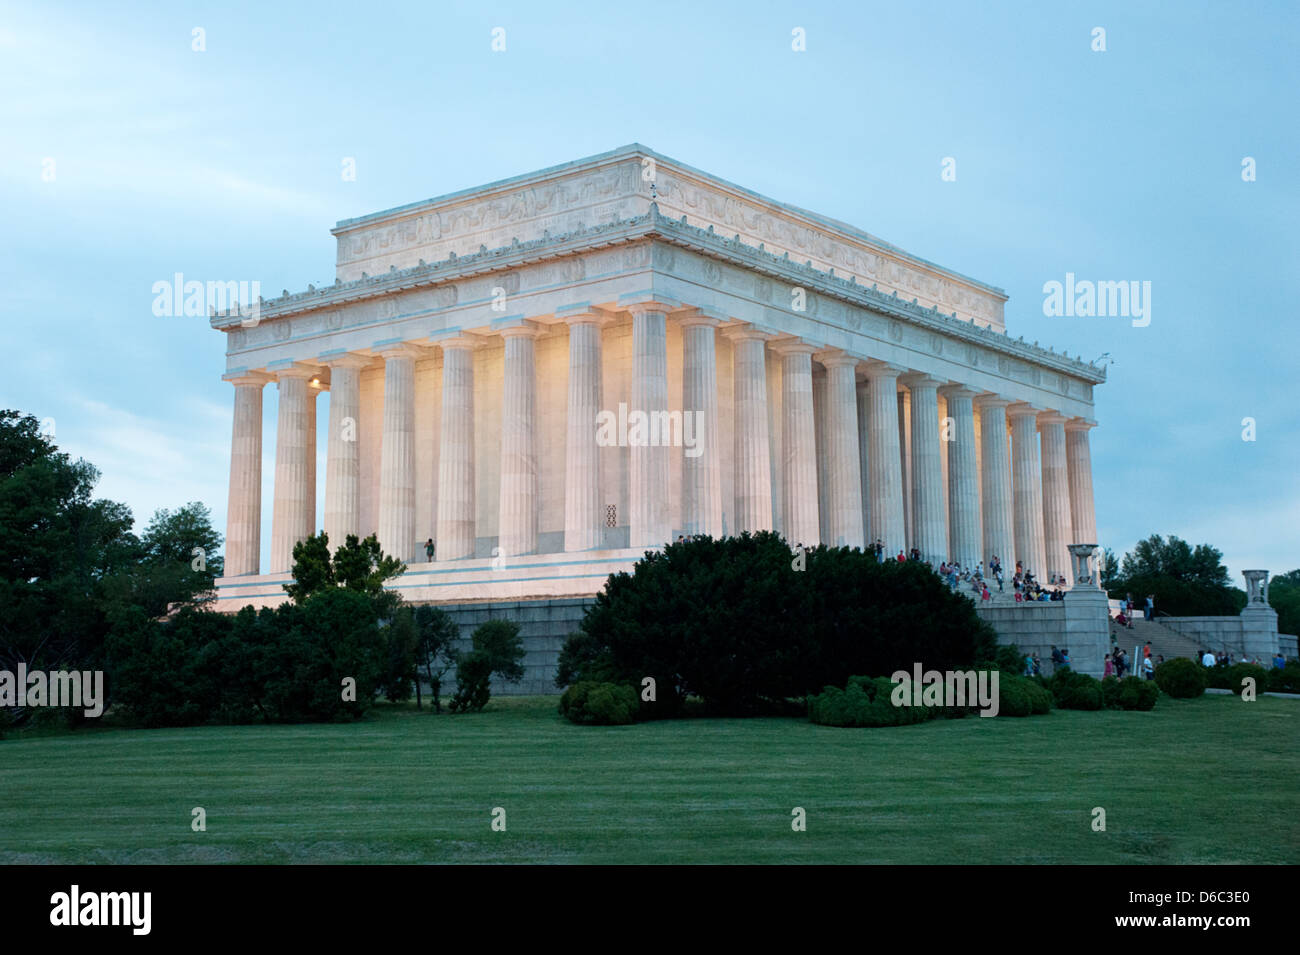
(1186,581)
(1284,597)
(435,651)
(402,642)
(70,566)
(496,649)
(359,565)
(733,622)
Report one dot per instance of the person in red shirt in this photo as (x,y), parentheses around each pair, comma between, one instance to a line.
(902,558)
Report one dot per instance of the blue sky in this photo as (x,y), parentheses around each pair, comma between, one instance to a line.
(1116,165)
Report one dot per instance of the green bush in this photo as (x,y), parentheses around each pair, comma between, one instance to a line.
(1130,693)
(864,702)
(603,704)
(1239,671)
(1285,680)
(745,626)
(473,683)
(1181,678)
(1021,696)
(1076,691)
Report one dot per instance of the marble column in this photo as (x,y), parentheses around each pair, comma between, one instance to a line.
(1078,456)
(799,507)
(753,476)
(456,498)
(397,454)
(1027,488)
(905,452)
(701,465)
(343,450)
(582,518)
(864,459)
(244,507)
(964,532)
(843,460)
(648,464)
(517,524)
(313,393)
(290,521)
(995,484)
(885,457)
(1058,532)
(930,517)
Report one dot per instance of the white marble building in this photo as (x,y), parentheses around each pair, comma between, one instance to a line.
(842,391)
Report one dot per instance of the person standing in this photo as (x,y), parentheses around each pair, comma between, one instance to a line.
(429,549)
(1151,606)
(1148,668)
(1207,659)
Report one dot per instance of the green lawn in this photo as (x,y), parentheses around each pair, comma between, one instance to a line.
(1210,780)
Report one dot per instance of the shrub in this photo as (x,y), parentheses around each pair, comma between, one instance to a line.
(735,623)
(1239,671)
(1181,678)
(604,704)
(1285,680)
(497,649)
(1021,696)
(864,702)
(473,683)
(1076,691)
(1130,693)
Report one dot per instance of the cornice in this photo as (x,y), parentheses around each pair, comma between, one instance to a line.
(654,226)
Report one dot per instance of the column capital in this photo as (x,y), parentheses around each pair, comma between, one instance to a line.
(1050,417)
(1080,424)
(835,358)
(991,399)
(515,327)
(919,379)
(882,370)
(455,341)
(581,313)
(344,359)
(245,377)
(746,332)
(957,390)
(1022,409)
(293,369)
(792,346)
(639,302)
(395,348)
(698,316)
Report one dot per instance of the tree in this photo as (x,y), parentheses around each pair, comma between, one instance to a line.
(1284,596)
(400,665)
(497,649)
(359,565)
(58,545)
(1109,568)
(1184,581)
(435,650)
(737,623)
(174,563)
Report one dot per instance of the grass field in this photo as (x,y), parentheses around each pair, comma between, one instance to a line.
(1206,781)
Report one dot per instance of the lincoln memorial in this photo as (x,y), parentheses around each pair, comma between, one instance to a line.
(549,375)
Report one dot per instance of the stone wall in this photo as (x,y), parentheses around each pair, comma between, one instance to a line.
(1253,632)
(1078,623)
(543,626)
